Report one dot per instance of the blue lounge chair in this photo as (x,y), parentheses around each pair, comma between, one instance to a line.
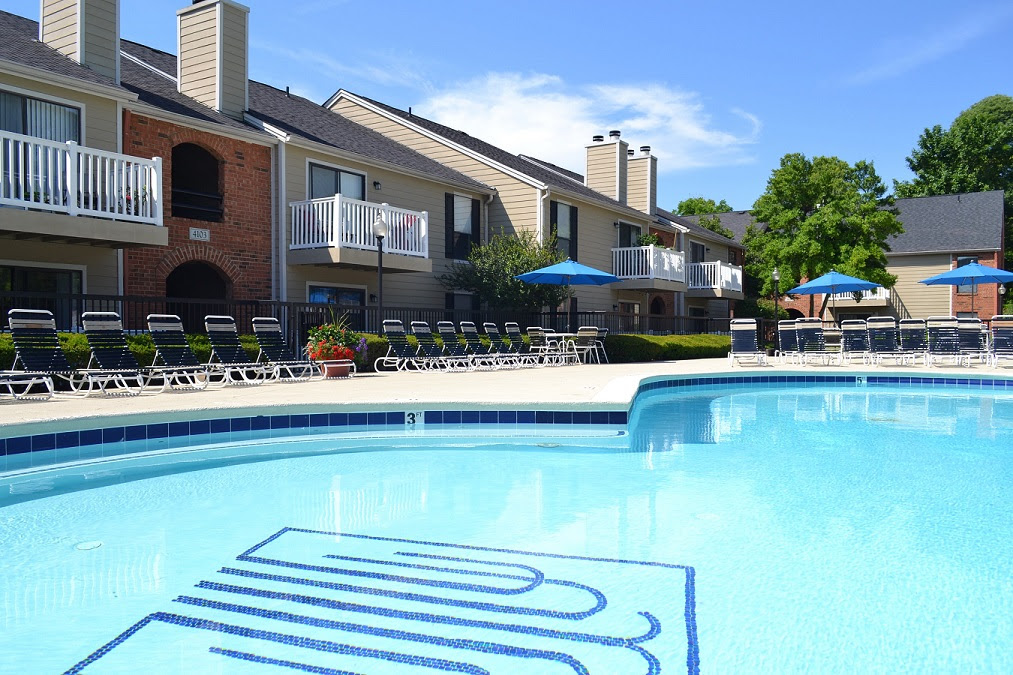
(228,356)
(854,340)
(1001,347)
(812,344)
(787,340)
(943,341)
(744,343)
(884,340)
(274,350)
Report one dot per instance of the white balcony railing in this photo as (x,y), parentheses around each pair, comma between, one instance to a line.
(881,294)
(340,222)
(649,262)
(67,178)
(717,275)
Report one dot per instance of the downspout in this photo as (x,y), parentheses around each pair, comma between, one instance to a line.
(274,223)
(485,209)
(541,215)
(282,225)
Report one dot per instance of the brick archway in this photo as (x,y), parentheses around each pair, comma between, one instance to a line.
(198,253)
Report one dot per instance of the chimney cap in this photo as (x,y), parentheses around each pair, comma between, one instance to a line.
(630,152)
(614,134)
(597,138)
(645,148)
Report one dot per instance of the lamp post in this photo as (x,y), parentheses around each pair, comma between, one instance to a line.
(379,231)
(776,276)
(1002,296)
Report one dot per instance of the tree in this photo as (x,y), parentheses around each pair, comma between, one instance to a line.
(974,154)
(821,214)
(700,206)
(492,267)
(713,223)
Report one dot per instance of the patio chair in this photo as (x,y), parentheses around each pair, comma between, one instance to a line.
(37,350)
(400,354)
(229,357)
(1001,348)
(510,355)
(599,345)
(583,344)
(453,348)
(109,350)
(744,343)
(787,340)
(274,350)
(172,350)
(484,355)
(912,336)
(973,339)
(528,357)
(943,341)
(854,341)
(434,354)
(811,342)
(884,340)
(548,351)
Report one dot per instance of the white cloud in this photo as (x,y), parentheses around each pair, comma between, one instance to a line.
(386,69)
(540,115)
(908,53)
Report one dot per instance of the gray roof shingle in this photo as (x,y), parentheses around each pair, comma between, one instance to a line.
(19,44)
(690,222)
(532,168)
(736,221)
(950,223)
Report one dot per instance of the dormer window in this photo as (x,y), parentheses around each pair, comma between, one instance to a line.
(196,184)
(40,119)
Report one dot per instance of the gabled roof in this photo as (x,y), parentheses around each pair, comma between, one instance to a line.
(950,223)
(311,121)
(572,175)
(19,44)
(697,230)
(537,171)
(736,221)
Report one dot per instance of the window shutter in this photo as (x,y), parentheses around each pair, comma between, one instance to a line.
(448,301)
(448,219)
(476,303)
(476,222)
(553,215)
(573,232)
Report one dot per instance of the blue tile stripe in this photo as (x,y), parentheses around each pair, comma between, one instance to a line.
(113,438)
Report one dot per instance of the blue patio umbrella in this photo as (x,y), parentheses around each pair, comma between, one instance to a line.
(970,274)
(832,283)
(568,273)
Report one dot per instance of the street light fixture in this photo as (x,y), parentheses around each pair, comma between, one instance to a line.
(776,276)
(379,231)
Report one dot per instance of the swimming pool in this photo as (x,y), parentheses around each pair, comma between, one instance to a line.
(733,527)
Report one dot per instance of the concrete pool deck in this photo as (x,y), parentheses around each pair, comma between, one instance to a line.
(603,387)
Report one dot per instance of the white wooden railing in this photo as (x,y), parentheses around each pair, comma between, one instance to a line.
(718,275)
(874,294)
(67,178)
(649,262)
(340,222)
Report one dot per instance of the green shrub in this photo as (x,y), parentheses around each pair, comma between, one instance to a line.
(643,348)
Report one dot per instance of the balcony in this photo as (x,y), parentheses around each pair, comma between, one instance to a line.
(649,268)
(67,193)
(714,280)
(877,297)
(339,231)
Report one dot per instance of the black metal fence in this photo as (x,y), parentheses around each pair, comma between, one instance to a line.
(298,317)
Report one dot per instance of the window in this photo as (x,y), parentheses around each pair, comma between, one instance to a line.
(353,298)
(196,186)
(52,281)
(697,252)
(961,261)
(463,221)
(563,219)
(41,119)
(628,235)
(327,181)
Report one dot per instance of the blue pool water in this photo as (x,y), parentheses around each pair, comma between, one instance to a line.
(826,529)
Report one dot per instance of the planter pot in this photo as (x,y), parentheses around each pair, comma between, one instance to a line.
(770,351)
(336,369)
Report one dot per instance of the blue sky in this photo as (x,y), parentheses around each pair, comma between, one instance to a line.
(719,90)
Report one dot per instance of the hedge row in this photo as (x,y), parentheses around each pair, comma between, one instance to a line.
(620,348)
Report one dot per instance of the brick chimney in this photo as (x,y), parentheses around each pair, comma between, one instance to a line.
(607,166)
(213,63)
(87,31)
(642,190)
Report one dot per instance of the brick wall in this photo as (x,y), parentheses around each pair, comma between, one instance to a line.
(986,296)
(240,246)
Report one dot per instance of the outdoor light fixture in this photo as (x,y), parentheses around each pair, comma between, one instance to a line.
(776,276)
(379,231)
(376,185)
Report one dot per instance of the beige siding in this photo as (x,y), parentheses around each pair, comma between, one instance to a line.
(100,123)
(59,26)
(623,173)
(515,207)
(99,263)
(198,39)
(601,168)
(912,300)
(234,60)
(99,36)
(408,192)
(638,190)
(715,252)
